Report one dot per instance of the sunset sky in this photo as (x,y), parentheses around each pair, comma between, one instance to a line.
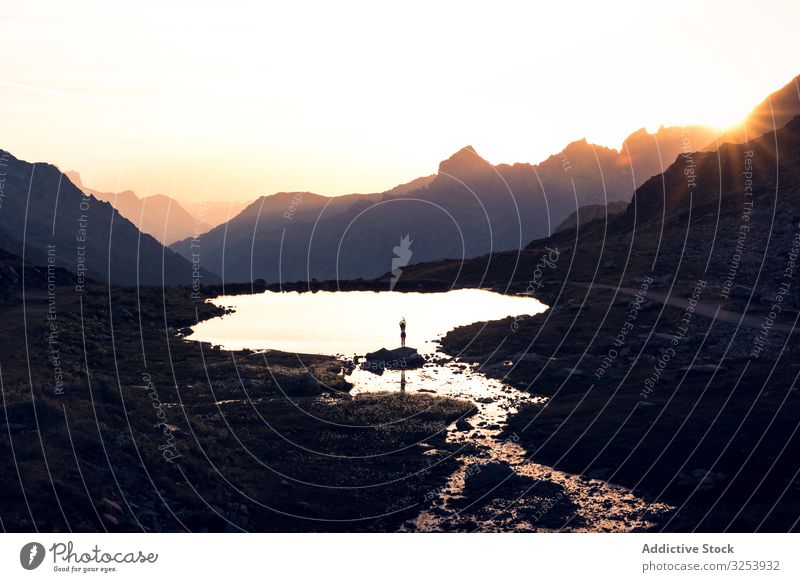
(234,100)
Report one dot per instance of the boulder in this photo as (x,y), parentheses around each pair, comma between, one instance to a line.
(404,358)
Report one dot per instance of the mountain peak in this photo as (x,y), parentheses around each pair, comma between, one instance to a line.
(465,162)
(74,177)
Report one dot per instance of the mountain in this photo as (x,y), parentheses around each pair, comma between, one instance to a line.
(728,217)
(215,212)
(470,207)
(773,113)
(589,213)
(46,219)
(160,216)
(669,350)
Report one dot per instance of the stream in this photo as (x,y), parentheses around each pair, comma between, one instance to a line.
(548,500)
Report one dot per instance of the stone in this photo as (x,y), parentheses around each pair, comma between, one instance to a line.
(403,358)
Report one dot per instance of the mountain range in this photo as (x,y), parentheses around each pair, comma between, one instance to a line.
(726,217)
(47,220)
(163,217)
(468,208)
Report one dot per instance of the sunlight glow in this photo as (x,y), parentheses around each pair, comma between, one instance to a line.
(246,98)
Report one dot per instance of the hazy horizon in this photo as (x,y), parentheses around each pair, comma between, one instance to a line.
(232,105)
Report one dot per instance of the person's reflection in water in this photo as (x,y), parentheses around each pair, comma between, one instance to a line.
(402,380)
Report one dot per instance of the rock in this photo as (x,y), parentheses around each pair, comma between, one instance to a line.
(463,425)
(485,400)
(111,504)
(498,479)
(568,373)
(481,478)
(305,385)
(657,339)
(599,473)
(403,358)
(373,367)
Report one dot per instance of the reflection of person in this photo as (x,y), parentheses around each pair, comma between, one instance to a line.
(403,332)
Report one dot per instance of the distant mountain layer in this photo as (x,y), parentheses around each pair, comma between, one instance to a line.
(159,216)
(469,208)
(214,212)
(46,219)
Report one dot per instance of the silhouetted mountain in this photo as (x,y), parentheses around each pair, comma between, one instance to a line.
(215,212)
(469,208)
(466,164)
(46,219)
(682,313)
(716,213)
(649,154)
(160,216)
(728,217)
(773,113)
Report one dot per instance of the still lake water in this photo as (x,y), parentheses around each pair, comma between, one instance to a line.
(352,322)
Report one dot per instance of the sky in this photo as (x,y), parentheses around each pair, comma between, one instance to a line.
(220,101)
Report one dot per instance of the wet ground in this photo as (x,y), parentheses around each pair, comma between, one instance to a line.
(496,487)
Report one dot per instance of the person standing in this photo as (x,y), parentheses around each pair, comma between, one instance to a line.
(403,332)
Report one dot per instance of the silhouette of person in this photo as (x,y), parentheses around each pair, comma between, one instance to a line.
(403,332)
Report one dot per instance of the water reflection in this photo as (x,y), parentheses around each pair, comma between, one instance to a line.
(352,322)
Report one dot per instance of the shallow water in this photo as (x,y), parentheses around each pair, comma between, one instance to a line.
(350,323)
(598,506)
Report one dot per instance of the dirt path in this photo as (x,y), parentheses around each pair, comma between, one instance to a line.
(704,309)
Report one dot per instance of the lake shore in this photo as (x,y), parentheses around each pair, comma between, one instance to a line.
(114,422)
(652,409)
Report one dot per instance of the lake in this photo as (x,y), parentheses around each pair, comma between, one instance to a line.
(352,322)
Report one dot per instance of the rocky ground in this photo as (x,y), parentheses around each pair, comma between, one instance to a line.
(112,421)
(715,434)
(667,354)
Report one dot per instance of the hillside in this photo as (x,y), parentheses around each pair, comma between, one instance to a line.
(162,217)
(46,219)
(773,113)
